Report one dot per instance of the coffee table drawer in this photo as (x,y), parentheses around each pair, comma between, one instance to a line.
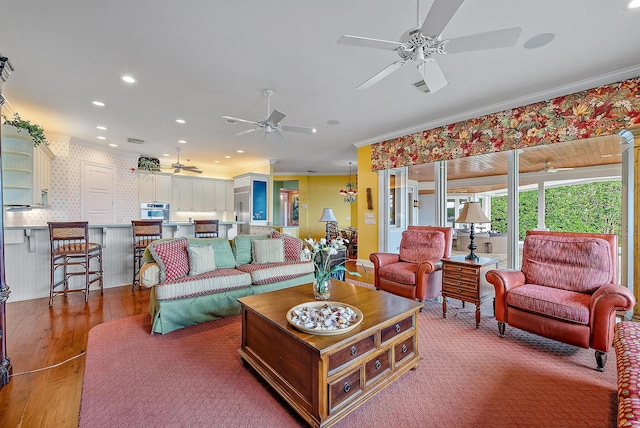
(394,330)
(403,349)
(344,388)
(350,353)
(377,366)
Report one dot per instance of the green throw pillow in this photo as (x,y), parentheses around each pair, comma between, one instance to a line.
(243,248)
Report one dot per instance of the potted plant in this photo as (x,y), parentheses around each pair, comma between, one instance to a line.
(36,131)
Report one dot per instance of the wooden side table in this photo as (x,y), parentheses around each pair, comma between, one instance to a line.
(464,280)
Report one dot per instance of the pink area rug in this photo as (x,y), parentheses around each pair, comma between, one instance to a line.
(469,378)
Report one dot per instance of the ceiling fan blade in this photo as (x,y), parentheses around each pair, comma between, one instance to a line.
(176,171)
(367,42)
(382,74)
(277,135)
(489,40)
(239,120)
(439,16)
(247,131)
(275,117)
(303,129)
(432,75)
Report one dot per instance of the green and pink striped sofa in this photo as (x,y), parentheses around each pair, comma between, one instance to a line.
(195,280)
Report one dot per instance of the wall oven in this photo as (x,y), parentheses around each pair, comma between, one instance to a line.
(154,211)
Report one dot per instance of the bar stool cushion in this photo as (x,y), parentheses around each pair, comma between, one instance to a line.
(172,257)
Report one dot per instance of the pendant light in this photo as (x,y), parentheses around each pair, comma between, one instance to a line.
(349,192)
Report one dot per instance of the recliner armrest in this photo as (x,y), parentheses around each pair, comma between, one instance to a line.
(381,259)
(604,303)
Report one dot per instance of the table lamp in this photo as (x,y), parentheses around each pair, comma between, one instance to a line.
(472,213)
(328,217)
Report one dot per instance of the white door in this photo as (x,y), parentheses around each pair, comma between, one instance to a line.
(393,208)
(98,183)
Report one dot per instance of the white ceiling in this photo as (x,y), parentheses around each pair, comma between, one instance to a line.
(202,59)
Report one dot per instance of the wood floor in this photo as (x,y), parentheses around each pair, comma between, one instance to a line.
(41,336)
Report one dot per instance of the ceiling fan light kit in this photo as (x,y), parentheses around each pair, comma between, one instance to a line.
(420,44)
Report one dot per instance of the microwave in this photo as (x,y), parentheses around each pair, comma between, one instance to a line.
(154,211)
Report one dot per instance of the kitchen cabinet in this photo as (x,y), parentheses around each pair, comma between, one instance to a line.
(26,170)
(229,204)
(198,194)
(153,187)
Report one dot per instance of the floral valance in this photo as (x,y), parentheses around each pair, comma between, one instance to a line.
(591,113)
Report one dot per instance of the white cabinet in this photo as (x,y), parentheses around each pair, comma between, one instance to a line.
(154,188)
(198,194)
(229,204)
(26,170)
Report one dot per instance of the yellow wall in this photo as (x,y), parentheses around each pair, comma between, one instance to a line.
(367,233)
(317,193)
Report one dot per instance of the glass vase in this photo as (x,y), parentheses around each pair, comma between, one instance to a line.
(322,289)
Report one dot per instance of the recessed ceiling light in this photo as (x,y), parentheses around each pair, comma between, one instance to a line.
(634,4)
(166,154)
(227,157)
(98,103)
(539,41)
(216,161)
(181,121)
(113,145)
(102,128)
(240,151)
(128,79)
(100,137)
(182,142)
(606,156)
(333,122)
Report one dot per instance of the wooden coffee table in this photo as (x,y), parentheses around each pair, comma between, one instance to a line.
(324,378)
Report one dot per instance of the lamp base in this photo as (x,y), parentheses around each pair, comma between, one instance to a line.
(472,257)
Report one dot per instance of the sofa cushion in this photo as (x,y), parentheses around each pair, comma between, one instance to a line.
(215,281)
(401,272)
(421,245)
(268,273)
(267,251)
(172,258)
(570,263)
(554,302)
(292,246)
(243,248)
(201,259)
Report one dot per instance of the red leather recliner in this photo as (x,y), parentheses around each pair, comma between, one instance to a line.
(416,272)
(566,290)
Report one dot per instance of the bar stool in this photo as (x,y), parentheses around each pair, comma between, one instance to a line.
(70,246)
(206,228)
(144,233)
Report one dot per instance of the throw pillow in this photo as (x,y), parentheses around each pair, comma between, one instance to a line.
(222,251)
(172,258)
(243,248)
(201,259)
(292,246)
(268,251)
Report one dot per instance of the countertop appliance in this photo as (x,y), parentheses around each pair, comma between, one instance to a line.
(154,211)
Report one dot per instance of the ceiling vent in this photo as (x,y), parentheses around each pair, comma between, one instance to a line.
(135,140)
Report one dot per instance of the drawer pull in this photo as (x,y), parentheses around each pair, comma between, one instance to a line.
(459,290)
(346,387)
(459,269)
(404,348)
(354,351)
(378,365)
(459,276)
(459,283)
(397,328)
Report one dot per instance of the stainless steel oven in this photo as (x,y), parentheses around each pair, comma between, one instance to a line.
(154,211)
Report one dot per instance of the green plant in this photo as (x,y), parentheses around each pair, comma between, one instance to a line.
(36,131)
(148,164)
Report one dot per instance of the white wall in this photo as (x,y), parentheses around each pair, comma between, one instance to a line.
(427,212)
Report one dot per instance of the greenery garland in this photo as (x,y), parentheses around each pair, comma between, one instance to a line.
(36,131)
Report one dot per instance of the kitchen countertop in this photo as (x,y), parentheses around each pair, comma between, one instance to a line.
(116,225)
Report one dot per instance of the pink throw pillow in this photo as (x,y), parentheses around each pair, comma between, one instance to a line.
(172,257)
(292,246)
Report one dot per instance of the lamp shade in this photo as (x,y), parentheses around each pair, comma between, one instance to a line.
(472,213)
(327,215)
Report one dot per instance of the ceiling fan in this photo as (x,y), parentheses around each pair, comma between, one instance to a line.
(420,44)
(179,166)
(551,170)
(271,124)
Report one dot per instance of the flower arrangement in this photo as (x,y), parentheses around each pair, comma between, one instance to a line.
(36,131)
(320,253)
